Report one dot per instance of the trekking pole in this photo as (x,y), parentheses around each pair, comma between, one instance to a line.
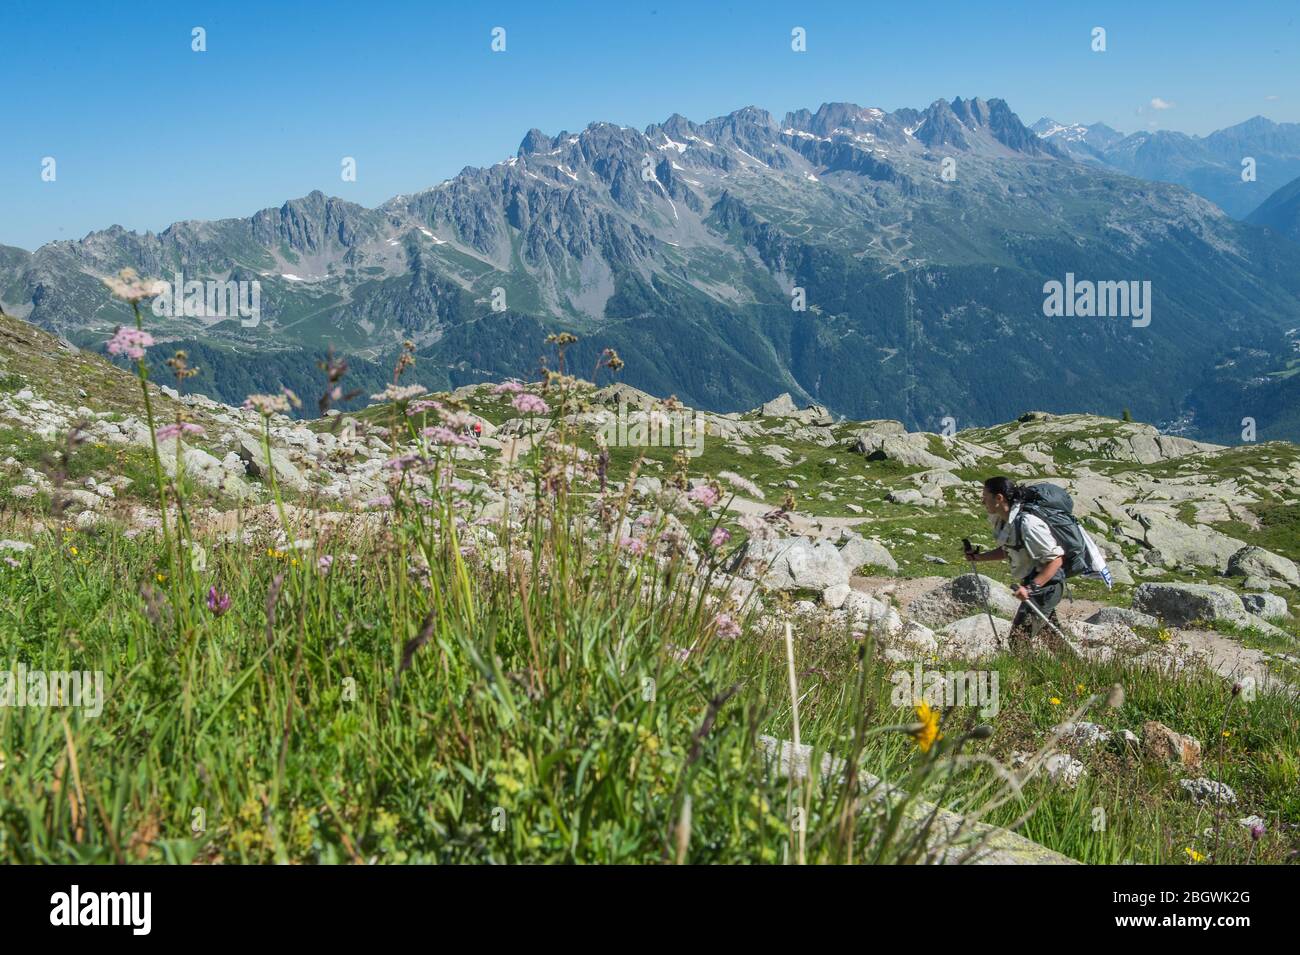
(984,594)
(1041,616)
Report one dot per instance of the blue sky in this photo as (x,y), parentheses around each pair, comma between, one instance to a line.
(145,131)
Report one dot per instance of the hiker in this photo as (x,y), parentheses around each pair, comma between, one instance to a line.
(1037,559)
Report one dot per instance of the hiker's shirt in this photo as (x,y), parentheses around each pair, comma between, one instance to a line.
(1034,551)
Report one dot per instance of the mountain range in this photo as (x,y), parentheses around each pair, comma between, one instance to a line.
(1210,166)
(1281,211)
(918,243)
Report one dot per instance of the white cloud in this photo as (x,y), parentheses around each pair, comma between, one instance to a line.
(1158,103)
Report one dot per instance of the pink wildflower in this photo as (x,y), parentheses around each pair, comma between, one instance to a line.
(399,393)
(129,287)
(530,404)
(458,419)
(402,463)
(719,537)
(726,627)
(130,342)
(267,405)
(169,431)
(423,405)
(705,494)
(633,546)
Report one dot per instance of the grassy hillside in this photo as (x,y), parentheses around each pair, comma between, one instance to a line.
(523,654)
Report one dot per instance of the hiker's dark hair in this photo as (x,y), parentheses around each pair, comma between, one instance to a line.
(1004,486)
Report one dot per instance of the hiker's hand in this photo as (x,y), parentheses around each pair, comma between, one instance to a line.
(1021,592)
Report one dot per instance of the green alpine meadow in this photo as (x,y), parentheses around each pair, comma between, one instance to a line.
(464,627)
(486,440)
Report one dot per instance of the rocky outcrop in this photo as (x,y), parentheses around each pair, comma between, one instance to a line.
(205,470)
(1252,561)
(1123,615)
(859,552)
(1171,543)
(1266,605)
(1181,604)
(1161,744)
(868,613)
(973,638)
(960,597)
(798,563)
(252,452)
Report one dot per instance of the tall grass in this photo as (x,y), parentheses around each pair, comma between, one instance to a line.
(552,682)
(556,684)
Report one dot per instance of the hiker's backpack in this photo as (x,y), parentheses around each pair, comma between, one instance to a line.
(1052,504)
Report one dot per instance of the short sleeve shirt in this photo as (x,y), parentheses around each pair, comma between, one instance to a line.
(1037,548)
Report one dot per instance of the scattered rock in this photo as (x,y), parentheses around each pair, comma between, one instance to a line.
(1180,604)
(1123,615)
(1162,744)
(204,469)
(782,406)
(1204,790)
(1082,733)
(864,552)
(1171,543)
(865,611)
(835,595)
(797,563)
(973,638)
(909,495)
(1064,769)
(1269,606)
(1256,562)
(960,597)
(254,455)
(912,642)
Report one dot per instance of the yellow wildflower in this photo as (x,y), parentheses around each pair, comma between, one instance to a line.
(928,734)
